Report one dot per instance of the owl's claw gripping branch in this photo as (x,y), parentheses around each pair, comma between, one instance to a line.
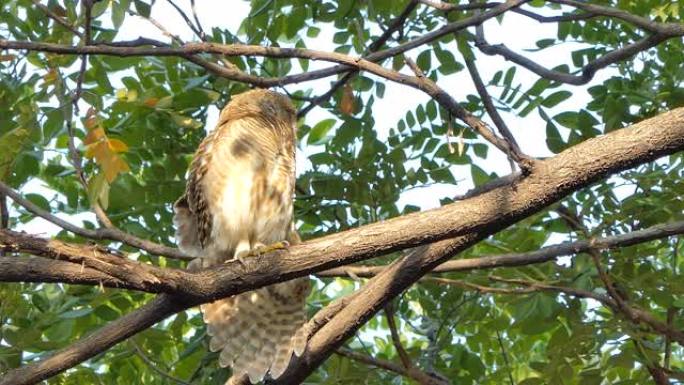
(261,249)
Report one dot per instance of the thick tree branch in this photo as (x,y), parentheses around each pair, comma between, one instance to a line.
(36,269)
(470,221)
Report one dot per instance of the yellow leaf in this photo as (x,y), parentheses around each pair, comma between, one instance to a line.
(117,146)
(97,150)
(112,166)
(91,119)
(132,95)
(121,94)
(50,76)
(94,136)
(347,105)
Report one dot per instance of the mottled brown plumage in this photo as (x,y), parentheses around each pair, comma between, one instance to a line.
(238,198)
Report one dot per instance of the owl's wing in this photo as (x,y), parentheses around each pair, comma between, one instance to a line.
(192,216)
(185,222)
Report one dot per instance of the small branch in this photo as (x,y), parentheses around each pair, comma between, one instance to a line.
(545,254)
(4,216)
(555,19)
(159,26)
(668,341)
(428,86)
(152,365)
(396,340)
(669,29)
(576,223)
(112,234)
(639,316)
(390,367)
(491,109)
(448,7)
(85,41)
(505,357)
(396,25)
(196,30)
(367,360)
(588,71)
(346,62)
(201,34)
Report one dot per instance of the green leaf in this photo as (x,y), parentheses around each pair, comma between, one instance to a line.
(318,133)
(11,144)
(556,98)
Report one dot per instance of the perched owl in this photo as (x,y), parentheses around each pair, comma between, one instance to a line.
(239,198)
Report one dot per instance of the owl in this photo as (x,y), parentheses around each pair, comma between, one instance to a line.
(238,199)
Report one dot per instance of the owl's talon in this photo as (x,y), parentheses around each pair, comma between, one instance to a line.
(261,249)
(240,257)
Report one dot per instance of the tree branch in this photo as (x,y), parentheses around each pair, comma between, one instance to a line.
(640,316)
(394,26)
(669,29)
(348,63)
(544,254)
(490,108)
(112,234)
(413,373)
(57,18)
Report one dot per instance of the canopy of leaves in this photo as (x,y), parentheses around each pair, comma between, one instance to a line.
(140,119)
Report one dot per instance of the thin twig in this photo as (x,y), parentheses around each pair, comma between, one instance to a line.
(112,233)
(394,26)
(638,316)
(396,340)
(57,18)
(152,365)
(505,357)
(202,35)
(545,254)
(491,109)
(4,216)
(428,86)
(185,17)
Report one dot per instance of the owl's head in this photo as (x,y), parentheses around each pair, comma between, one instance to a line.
(269,105)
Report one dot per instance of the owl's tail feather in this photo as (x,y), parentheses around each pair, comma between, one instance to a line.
(256,331)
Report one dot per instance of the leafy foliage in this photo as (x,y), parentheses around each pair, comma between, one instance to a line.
(140,119)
